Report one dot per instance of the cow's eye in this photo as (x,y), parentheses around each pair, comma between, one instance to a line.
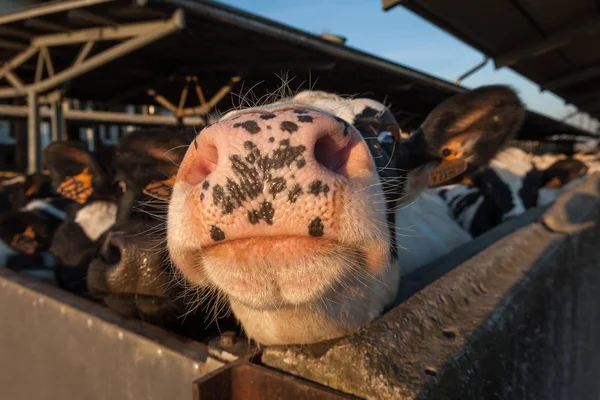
(385,137)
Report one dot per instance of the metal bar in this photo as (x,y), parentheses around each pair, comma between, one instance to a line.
(57,122)
(102,33)
(51,97)
(163,101)
(50,8)
(39,68)
(569,79)
(85,50)
(48,59)
(205,109)
(116,118)
(16,61)
(551,43)
(33,134)
(183,98)
(472,71)
(175,23)
(14,80)
(199,92)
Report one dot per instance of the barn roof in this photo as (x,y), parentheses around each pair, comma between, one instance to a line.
(554,43)
(215,43)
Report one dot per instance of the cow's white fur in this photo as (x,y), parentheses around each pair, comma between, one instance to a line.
(428,231)
(47,207)
(96,218)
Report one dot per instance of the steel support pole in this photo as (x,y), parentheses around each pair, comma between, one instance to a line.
(57,121)
(33,134)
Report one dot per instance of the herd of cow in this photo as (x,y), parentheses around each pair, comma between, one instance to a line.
(300,216)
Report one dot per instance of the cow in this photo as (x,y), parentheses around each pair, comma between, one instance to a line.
(79,177)
(26,234)
(19,190)
(130,274)
(284,210)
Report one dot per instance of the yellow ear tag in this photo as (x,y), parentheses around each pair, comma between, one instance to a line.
(78,188)
(31,190)
(25,242)
(160,190)
(449,168)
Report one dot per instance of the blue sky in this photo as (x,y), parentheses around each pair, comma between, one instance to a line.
(401,36)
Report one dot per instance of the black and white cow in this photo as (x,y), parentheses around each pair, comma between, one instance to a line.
(284,208)
(79,177)
(26,234)
(131,273)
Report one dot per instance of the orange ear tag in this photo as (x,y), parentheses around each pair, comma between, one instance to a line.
(25,242)
(78,188)
(447,170)
(31,190)
(160,190)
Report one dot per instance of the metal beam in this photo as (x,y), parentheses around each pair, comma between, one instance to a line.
(471,71)
(570,79)
(57,121)
(163,101)
(551,43)
(48,61)
(108,117)
(14,80)
(102,33)
(16,61)
(208,106)
(84,52)
(50,8)
(175,23)
(33,134)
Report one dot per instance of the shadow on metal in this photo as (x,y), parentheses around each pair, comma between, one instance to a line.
(247,381)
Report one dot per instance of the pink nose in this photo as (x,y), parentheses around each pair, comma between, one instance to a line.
(279,173)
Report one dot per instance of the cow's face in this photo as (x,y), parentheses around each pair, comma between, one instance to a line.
(281,207)
(131,272)
(79,177)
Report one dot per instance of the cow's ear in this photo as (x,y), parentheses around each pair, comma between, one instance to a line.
(148,160)
(75,172)
(474,125)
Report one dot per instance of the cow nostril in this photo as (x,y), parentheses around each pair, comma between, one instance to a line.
(329,154)
(204,163)
(111,252)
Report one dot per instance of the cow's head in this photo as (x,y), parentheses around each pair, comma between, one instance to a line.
(131,273)
(79,177)
(281,207)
